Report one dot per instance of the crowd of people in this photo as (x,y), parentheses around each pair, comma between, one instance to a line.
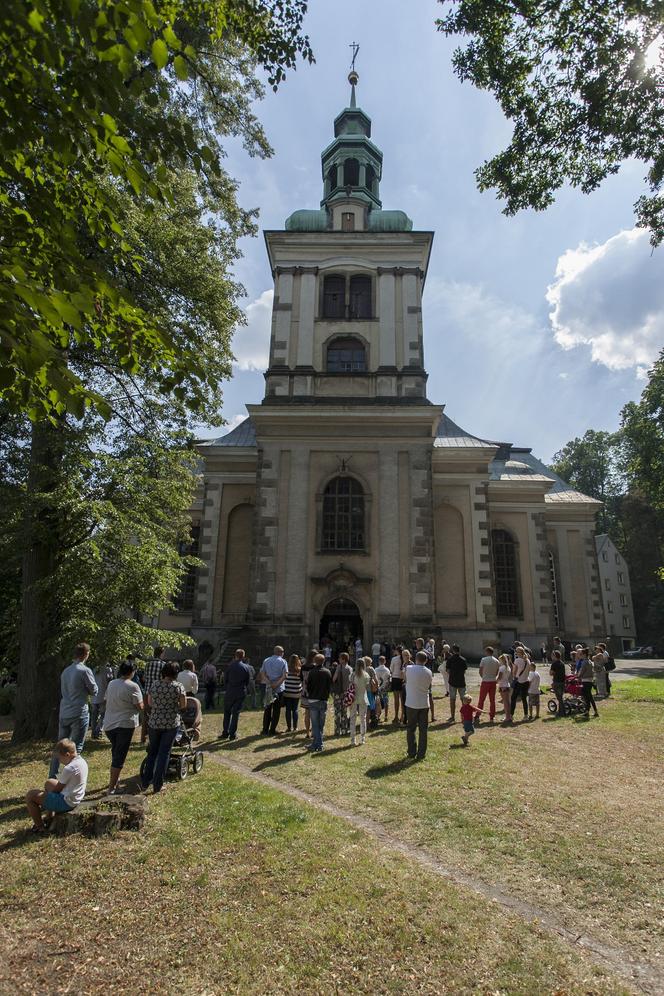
(163,695)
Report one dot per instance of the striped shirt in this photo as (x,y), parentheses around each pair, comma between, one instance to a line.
(293,688)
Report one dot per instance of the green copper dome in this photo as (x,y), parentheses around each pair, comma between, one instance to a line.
(352,168)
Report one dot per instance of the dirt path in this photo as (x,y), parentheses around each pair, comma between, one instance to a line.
(642,976)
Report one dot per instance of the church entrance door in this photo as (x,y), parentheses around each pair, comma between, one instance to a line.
(341,623)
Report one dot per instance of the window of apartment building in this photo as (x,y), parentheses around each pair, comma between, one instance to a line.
(623,600)
(605,557)
(621,577)
(617,558)
(626,623)
(607,584)
(609,606)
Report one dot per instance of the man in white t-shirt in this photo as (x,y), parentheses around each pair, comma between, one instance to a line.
(488,673)
(188,677)
(61,794)
(418,679)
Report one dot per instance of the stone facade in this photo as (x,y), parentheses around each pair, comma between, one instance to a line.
(348,502)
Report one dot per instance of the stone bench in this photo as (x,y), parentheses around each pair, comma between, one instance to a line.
(97,817)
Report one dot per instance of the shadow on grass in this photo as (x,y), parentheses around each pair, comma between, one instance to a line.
(21,838)
(392,768)
(212,746)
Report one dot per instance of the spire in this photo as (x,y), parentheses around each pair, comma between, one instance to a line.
(353,79)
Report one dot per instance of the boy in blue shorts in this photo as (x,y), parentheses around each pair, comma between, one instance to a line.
(468,712)
(61,794)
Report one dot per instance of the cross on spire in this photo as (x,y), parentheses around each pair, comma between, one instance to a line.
(356,48)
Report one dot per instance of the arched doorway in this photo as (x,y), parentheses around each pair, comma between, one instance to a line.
(341,622)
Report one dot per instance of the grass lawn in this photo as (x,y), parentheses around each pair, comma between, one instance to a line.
(566,813)
(641,689)
(233,887)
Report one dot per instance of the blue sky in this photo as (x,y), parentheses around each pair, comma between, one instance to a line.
(536,327)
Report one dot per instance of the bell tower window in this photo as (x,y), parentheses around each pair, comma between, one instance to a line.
(351,173)
(332,177)
(334,297)
(346,356)
(360,297)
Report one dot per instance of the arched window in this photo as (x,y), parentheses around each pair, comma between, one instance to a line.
(360,297)
(351,173)
(343,515)
(334,297)
(346,356)
(506,574)
(370,179)
(332,177)
(184,599)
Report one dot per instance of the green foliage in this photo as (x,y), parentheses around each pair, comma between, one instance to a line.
(102,102)
(625,470)
(121,511)
(591,465)
(643,436)
(574,78)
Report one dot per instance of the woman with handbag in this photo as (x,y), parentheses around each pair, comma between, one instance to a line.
(361,684)
(342,676)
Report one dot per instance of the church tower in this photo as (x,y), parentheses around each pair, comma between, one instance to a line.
(347,504)
(343,519)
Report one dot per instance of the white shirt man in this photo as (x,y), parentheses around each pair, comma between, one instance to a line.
(489,666)
(188,678)
(418,678)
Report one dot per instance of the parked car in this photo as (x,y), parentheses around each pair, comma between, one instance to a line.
(640,652)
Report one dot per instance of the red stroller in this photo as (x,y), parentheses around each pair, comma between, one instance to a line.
(573,701)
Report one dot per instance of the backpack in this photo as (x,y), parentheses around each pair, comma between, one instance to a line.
(349,697)
(610,665)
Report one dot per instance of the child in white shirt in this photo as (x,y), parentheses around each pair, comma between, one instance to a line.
(61,794)
(534,681)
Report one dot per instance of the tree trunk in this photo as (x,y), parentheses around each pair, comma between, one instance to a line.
(40,663)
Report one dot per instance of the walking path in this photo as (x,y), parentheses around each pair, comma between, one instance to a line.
(644,977)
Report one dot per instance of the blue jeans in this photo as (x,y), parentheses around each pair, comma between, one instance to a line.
(317,711)
(72,729)
(159,753)
(232,709)
(291,713)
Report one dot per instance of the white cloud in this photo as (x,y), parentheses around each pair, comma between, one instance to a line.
(251,342)
(472,314)
(610,297)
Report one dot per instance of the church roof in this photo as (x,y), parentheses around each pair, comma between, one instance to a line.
(511,463)
(243,434)
(450,435)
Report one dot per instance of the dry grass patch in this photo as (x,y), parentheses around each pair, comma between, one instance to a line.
(236,888)
(565,813)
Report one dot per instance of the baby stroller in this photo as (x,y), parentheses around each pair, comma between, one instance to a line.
(573,701)
(185,755)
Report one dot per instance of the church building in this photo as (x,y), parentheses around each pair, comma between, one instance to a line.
(347,503)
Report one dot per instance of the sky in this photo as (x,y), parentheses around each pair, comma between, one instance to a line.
(536,327)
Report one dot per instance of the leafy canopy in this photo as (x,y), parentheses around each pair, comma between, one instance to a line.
(583,82)
(93,112)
